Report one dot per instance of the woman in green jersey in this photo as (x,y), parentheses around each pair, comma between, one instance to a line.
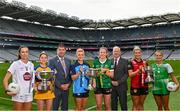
(102,82)
(162,71)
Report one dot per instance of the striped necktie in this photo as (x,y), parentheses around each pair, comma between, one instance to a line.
(64,67)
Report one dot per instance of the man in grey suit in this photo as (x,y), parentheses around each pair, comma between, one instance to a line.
(62,78)
(119,81)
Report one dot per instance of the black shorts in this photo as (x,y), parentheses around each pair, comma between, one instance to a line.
(139,91)
(103,91)
(161,94)
(81,95)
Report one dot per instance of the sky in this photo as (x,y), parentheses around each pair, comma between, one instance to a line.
(108,9)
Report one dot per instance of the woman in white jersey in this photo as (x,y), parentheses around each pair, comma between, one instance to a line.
(21,72)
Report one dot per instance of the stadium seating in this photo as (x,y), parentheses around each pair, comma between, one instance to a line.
(16,27)
(5,55)
(175,55)
(41,31)
(11,54)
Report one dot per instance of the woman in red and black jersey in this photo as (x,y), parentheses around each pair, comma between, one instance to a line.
(136,70)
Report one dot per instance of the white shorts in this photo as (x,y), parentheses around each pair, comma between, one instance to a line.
(23,97)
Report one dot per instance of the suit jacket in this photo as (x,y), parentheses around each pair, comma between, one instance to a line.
(60,74)
(121,73)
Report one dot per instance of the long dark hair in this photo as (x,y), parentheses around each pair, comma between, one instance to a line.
(19,51)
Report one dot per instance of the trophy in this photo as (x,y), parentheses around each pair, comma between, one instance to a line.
(45,77)
(149,78)
(92,74)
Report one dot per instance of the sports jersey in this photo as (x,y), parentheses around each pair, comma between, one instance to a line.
(80,85)
(138,81)
(23,75)
(161,76)
(48,94)
(102,80)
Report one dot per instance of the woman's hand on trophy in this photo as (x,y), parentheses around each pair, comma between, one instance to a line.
(35,88)
(104,70)
(109,73)
(138,71)
(94,83)
(81,69)
(141,68)
(88,73)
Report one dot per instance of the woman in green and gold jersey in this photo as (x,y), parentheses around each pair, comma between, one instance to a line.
(102,82)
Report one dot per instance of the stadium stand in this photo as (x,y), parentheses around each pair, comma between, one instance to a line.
(32,30)
(175,55)
(6,55)
(16,27)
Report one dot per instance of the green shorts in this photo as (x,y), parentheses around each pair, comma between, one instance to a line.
(160,88)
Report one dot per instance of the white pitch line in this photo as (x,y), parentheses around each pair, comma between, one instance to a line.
(7,99)
(103,103)
(91,108)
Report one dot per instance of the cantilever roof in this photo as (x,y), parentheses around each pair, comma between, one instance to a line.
(19,10)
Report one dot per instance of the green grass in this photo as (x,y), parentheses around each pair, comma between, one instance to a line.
(149,103)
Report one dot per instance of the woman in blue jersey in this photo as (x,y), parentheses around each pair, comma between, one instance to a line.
(80,80)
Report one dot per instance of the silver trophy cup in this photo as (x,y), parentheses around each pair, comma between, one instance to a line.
(149,71)
(44,76)
(92,74)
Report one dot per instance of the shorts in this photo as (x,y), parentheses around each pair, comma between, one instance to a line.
(103,91)
(161,94)
(46,95)
(139,91)
(81,95)
(23,98)
(159,88)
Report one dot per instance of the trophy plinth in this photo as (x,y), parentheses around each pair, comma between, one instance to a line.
(149,78)
(44,76)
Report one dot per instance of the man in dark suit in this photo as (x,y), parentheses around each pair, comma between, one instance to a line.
(62,78)
(119,81)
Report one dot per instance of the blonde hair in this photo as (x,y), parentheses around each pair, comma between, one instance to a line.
(136,48)
(159,51)
(79,50)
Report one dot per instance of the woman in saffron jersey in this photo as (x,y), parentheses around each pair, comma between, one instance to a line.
(43,98)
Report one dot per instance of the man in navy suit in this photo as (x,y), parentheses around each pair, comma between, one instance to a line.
(62,78)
